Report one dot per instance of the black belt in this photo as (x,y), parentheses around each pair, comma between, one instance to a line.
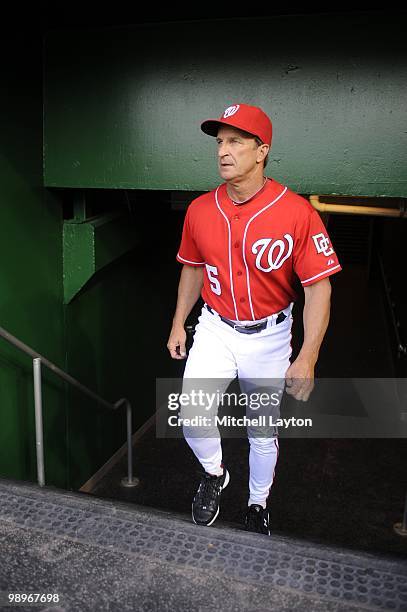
(248,329)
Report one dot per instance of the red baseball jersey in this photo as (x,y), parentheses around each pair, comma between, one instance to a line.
(252,251)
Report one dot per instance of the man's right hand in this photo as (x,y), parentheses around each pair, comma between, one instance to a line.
(176,342)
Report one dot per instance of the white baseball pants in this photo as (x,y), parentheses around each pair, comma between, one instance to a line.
(221,352)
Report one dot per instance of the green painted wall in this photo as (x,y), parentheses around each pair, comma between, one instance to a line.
(31,260)
(111,336)
(123,105)
(117,328)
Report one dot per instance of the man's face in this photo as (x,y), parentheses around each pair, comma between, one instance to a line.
(238,154)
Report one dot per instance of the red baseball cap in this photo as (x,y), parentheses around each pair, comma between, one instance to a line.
(244,117)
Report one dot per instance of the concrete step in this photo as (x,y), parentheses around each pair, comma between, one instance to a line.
(106,555)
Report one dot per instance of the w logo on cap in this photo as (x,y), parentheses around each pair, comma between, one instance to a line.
(231,110)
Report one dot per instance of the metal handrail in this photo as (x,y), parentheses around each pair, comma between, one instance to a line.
(38,359)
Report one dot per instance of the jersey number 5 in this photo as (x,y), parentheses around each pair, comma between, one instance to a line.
(212,272)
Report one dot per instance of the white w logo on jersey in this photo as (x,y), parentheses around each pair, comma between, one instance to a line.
(275,260)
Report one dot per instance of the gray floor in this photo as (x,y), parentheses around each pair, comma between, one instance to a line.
(104,555)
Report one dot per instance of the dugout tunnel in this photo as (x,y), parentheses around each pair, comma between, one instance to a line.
(101,154)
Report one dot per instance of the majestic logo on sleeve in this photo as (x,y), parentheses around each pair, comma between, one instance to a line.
(322,244)
(279,251)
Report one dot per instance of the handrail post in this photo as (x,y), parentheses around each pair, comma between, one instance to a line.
(38,422)
(129,481)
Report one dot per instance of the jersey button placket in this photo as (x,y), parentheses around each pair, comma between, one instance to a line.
(238,263)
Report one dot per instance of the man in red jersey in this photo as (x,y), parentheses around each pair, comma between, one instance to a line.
(243,245)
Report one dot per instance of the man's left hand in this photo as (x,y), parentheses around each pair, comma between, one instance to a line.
(300,379)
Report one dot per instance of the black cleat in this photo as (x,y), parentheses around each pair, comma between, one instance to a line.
(257,519)
(205,507)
